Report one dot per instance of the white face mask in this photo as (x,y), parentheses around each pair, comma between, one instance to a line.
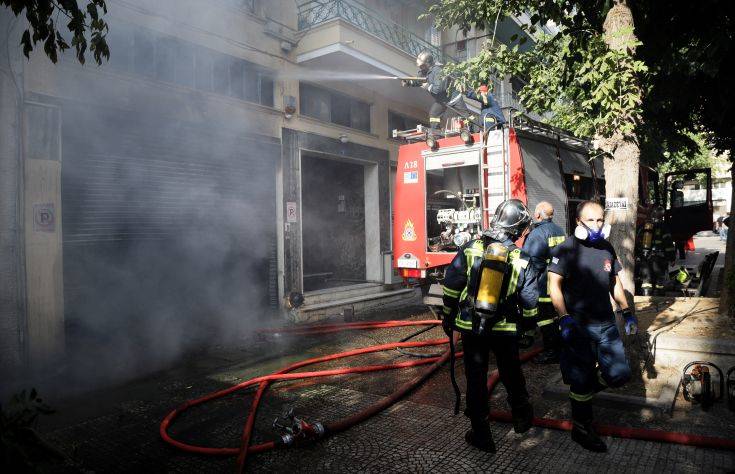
(582,232)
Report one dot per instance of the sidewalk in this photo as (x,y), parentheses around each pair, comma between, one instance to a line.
(116,430)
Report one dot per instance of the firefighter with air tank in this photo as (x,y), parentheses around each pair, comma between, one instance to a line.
(490,297)
(431,78)
(655,251)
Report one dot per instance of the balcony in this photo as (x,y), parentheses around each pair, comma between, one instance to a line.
(317,12)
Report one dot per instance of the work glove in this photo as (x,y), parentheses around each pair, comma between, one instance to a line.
(631,323)
(447,320)
(567,327)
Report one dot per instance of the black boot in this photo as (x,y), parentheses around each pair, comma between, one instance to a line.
(522,417)
(582,431)
(586,437)
(480,437)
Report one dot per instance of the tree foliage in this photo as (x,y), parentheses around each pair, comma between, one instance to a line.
(43,27)
(591,90)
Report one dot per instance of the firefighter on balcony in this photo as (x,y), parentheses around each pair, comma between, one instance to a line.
(655,251)
(545,236)
(490,297)
(492,115)
(437,85)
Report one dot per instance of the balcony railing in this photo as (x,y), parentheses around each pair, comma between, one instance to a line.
(316,12)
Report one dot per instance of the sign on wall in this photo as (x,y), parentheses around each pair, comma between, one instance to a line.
(291,215)
(44,217)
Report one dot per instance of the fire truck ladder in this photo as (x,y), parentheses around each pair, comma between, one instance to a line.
(494,184)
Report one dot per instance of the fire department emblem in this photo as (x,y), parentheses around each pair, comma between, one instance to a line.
(409,233)
(608,265)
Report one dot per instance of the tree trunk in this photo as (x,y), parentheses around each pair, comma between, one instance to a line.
(621,181)
(727,297)
(622,157)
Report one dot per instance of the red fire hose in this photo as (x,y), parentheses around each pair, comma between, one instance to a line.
(330,428)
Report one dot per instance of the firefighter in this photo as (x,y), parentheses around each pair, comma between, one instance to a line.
(545,236)
(489,291)
(583,274)
(438,86)
(656,251)
(492,115)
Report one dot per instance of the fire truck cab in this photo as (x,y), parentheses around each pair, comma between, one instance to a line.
(446,194)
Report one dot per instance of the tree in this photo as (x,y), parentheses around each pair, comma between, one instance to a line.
(587,74)
(43,17)
(690,50)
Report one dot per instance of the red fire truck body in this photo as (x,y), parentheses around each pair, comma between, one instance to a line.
(446,196)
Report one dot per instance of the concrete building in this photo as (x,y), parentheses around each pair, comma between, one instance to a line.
(227,159)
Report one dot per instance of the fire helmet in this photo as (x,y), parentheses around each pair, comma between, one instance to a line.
(657,214)
(511,218)
(483,88)
(424,60)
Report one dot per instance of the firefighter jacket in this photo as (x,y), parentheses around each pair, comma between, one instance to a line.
(489,107)
(519,294)
(436,84)
(662,244)
(538,245)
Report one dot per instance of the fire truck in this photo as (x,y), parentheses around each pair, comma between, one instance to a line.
(448,187)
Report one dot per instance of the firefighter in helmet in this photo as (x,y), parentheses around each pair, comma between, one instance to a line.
(490,297)
(437,85)
(655,249)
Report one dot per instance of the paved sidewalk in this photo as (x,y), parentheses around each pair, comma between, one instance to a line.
(117,430)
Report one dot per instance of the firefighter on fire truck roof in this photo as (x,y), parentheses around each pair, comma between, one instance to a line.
(490,112)
(437,85)
(490,296)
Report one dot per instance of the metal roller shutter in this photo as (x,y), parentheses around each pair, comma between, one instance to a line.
(164,216)
(543,178)
(574,162)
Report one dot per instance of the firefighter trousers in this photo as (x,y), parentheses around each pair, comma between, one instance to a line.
(592,360)
(476,357)
(653,274)
(438,108)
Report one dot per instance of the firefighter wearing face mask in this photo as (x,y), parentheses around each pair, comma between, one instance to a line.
(583,274)
(490,297)
(655,251)
(436,84)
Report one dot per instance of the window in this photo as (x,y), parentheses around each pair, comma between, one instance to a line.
(334,107)
(398,121)
(221,74)
(203,70)
(169,59)
(120,40)
(266,90)
(143,50)
(314,102)
(184,65)
(165,51)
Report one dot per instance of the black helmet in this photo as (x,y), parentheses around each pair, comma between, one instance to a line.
(657,214)
(511,219)
(424,58)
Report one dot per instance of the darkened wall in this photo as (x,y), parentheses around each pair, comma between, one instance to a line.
(294,143)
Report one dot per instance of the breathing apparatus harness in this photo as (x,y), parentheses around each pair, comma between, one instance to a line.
(483,300)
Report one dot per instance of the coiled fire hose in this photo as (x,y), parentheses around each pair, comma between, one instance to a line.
(313,431)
